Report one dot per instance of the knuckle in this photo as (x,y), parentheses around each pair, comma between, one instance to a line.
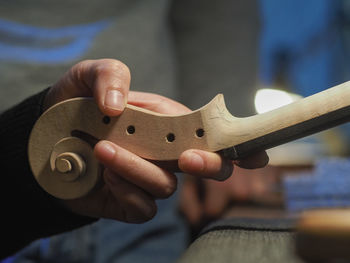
(133,163)
(122,69)
(101,69)
(169,187)
(150,214)
(76,72)
(113,66)
(82,65)
(138,215)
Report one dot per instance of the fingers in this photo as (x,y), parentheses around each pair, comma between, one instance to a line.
(212,165)
(190,203)
(216,198)
(239,184)
(133,204)
(117,199)
(151,178)
(107,80)
(205,164)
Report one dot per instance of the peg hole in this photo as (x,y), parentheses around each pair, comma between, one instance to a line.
(106,120)
(131,129)
(200,133)
(170,137)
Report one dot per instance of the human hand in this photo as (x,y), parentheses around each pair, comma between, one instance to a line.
(203,200)
(131,183)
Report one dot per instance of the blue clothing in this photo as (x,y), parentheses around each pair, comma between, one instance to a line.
(160,240)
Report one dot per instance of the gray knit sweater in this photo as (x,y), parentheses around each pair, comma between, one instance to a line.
(189,50)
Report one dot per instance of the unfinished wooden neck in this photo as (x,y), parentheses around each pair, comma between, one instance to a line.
(299,119)
(77,123)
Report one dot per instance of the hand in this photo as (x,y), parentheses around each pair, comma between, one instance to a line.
(131,183)
(203,200)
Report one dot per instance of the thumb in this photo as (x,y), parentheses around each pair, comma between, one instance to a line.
(107,80)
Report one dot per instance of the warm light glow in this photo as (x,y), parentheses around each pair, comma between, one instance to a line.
(270,99)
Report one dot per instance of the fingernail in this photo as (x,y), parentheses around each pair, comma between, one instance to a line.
(107,150)
(197,161)
(114,100)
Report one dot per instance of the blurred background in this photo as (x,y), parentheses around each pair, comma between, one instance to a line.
(260,54)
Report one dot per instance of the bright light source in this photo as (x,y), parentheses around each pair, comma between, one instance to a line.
(270,99)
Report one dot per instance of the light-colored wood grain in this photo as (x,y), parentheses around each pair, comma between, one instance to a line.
(162,138)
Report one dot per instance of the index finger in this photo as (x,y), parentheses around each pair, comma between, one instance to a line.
(205,164)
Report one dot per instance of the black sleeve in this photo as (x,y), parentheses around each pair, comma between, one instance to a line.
(27,212)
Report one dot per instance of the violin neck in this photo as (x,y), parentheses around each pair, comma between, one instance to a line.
(307,116)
